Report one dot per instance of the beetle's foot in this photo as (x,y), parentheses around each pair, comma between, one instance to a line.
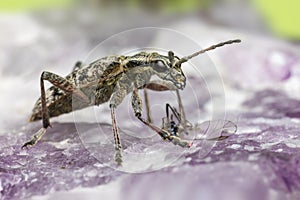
(29,143)
(164,134)
(178,141)
(174,139)
(35,138)
(118,156)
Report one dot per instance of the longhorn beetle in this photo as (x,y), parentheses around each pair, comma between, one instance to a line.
(110,79)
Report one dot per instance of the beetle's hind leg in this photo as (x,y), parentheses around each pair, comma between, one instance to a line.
(64,85)
(137,107)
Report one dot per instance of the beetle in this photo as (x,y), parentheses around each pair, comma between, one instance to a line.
(110,79)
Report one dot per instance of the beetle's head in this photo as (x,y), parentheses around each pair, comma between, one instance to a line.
(166,68)
(169,67)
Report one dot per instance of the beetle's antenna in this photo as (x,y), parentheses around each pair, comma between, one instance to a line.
(186,58)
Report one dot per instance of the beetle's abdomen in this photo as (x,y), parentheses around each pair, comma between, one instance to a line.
(96,80)
(57,101)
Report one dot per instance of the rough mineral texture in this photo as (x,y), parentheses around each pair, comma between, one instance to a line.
(75,158)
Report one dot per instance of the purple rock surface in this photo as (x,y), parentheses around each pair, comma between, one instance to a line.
(74,159)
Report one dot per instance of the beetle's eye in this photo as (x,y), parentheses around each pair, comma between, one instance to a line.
(160,66)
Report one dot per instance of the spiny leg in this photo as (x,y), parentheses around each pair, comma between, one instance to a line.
(170,124)
(61,83)
(181,111)
(45,117)
(118,146)
(121,89)
(174,111)
(157,85)
(137,108)
(147,104)
(184,123)
(160,85)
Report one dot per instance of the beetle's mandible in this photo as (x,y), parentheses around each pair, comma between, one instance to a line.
(110,79)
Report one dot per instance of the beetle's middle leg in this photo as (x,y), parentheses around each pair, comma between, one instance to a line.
(122,88)
(137,108)
(147,104)
(64,85)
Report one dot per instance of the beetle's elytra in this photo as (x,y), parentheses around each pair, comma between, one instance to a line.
(110,79)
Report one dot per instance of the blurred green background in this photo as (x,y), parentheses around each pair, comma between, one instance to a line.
(31,5)
(279,17)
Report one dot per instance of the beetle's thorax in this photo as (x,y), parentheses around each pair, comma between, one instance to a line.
(137,60)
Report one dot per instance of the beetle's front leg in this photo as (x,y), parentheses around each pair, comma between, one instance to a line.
(137,108)
(160,85)
(64,85)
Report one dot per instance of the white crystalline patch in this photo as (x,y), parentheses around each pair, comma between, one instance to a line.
(40,156)
(247,130)
(296,120)
(253,157)
(218,152)
(92,173)
(62,144)
(98,164)
(23,152)
(158,156)
(107,191)
(292,143)
(268,145)
(188,159)
(271,122)
(248,148)
(279,150)
(208,159)
(235,146)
